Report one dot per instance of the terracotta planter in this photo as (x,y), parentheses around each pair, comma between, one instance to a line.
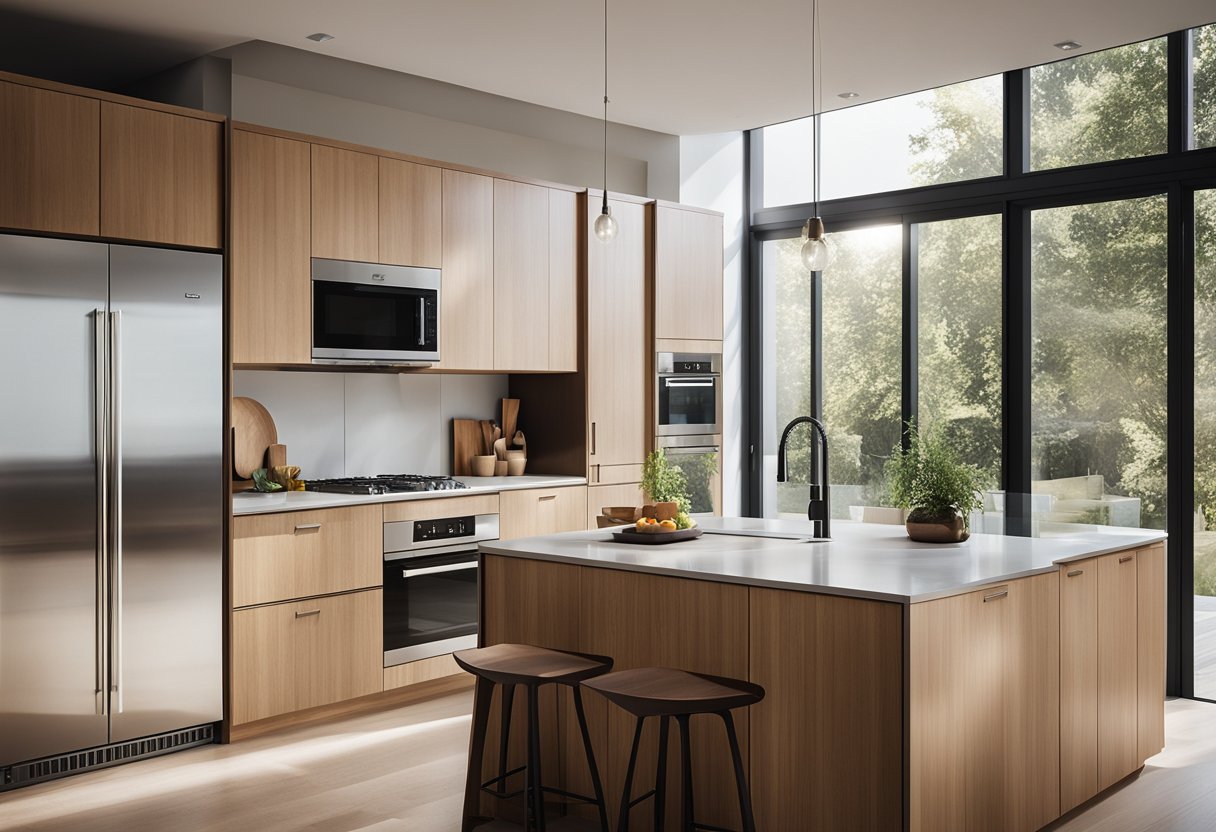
(927,529)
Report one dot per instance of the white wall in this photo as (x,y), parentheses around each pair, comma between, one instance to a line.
(354,424)
(711,176)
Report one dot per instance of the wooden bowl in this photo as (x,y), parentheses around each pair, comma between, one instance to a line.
(483,466)
(626,514)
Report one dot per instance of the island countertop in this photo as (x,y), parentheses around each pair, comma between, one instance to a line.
(862,560)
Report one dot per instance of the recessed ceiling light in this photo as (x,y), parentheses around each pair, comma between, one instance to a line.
(320,37)
(848,95)
(1067,45)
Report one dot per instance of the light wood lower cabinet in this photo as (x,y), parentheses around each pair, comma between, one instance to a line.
(1150,655)
(538,511)
(1117,730)
(1078,683)
(302,654)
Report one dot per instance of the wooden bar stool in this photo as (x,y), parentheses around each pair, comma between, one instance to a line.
(510,665)
(669,693)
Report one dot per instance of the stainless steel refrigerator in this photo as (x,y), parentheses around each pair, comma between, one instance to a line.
(111,503)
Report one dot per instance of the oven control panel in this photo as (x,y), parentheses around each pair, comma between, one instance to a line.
(685,367)
(448,528)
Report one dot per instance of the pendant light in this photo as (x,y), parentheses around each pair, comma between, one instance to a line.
(816,253)
(605,224)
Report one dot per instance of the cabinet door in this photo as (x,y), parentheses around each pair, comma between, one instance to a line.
(50,164)
(521,276)
(539,511)
(1150,641)
(270,271)
(264,663)
(563,280)
(687,274)
(600,496)
(411,214)
(617,382)
(339,647)
(1078,683)
(161,177)
(467,320)
(345,204)
(1117,714)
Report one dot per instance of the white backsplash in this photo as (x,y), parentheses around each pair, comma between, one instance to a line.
(351,424)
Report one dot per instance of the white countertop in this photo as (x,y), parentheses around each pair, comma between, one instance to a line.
(254,503)
(863,560)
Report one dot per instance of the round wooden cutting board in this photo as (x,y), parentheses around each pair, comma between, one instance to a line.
(253,431)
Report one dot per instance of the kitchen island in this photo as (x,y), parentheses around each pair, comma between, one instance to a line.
(989,685)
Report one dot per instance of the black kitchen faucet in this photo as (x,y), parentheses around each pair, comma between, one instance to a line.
(818,510)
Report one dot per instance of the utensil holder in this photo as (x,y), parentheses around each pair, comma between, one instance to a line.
(500,468)
(516,465)
(483,466)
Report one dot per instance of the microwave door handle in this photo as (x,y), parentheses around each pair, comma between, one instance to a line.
(435,570)
(421,321)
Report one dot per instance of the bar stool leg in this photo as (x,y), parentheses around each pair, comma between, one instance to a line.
(622,823)
(534,774)
(687,823)
(504,734)
(477,746)
(660,776)
(595,772)
(745,803)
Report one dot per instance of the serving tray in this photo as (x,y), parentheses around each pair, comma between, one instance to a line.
(632,535)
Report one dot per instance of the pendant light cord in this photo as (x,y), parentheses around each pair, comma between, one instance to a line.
(816,93)
(605,208)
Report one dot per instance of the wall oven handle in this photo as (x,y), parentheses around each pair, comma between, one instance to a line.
(670,382)
(435,570)
(422,322)
(676,450)
(101,451)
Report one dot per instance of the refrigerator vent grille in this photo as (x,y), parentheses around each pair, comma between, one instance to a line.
(61,765)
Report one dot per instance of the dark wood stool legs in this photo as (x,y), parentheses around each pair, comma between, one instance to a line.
(745,801)
(600,803)
(477,746)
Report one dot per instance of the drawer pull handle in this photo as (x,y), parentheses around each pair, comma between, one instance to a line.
(307,613)
(1126,558)
(1074,573)
(996,596)
(307,527)
(547,497)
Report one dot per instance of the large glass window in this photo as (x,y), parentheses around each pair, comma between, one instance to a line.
(1205,444)
(787,363)
(926,138)
(788,173)
(959,344)
(1203,87)
(1098,363)
(1098,107)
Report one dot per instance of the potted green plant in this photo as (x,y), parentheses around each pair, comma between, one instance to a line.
(663,482)
(939,491)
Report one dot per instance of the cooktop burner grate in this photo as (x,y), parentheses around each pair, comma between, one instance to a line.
(385,484)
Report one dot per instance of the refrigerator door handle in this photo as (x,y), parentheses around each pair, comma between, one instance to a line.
(116,687)
(100,452)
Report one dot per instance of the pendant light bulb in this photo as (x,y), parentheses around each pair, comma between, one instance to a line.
(816,253)
(605,225)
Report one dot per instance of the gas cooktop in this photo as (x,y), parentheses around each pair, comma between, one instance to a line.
(385,484)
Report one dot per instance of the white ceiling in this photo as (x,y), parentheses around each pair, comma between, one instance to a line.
(676,66)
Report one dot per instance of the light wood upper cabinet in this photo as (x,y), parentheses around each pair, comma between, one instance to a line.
(269,255)
(161,177)
(50,161)
(467,319)
(521,276)
(687,274)
(1118,737)
(563,280)
(617,382)
(1078,683)
(411,214)
(538,511)
(345,204)
(1150,654)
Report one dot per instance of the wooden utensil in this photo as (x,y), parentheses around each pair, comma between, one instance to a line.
(500,449)
(466,443)
(510,418)
(520,442)
(253,431)
(487,436)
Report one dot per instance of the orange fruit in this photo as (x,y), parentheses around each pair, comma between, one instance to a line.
(668,525)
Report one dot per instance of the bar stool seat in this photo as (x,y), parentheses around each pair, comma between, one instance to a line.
(510,665)
(669,693)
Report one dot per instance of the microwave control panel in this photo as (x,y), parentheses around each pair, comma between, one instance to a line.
(448,528)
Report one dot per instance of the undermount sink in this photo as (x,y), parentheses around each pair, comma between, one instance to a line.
(789,537)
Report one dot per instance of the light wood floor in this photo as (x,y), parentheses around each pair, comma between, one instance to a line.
(404,770)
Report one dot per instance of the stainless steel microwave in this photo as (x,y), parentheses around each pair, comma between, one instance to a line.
(688,394)
(366,313)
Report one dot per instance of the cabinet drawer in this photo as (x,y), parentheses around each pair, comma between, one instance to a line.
(302,654)
(539,511)
(297,554)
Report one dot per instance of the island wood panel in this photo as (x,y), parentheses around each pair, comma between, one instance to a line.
(687,274)
(270,250)
(541,511)
(51,163)
(617,384)
(1150,637)
(466,316)
(827,741)
(411,214)
(650,620)
(521,276)
(345,204)
(563,280)
(1118,736)
(161,177)
(1078,682)
(301,553)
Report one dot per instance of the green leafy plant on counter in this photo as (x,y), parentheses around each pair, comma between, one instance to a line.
(262,482)
(928,479)
(663,482)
